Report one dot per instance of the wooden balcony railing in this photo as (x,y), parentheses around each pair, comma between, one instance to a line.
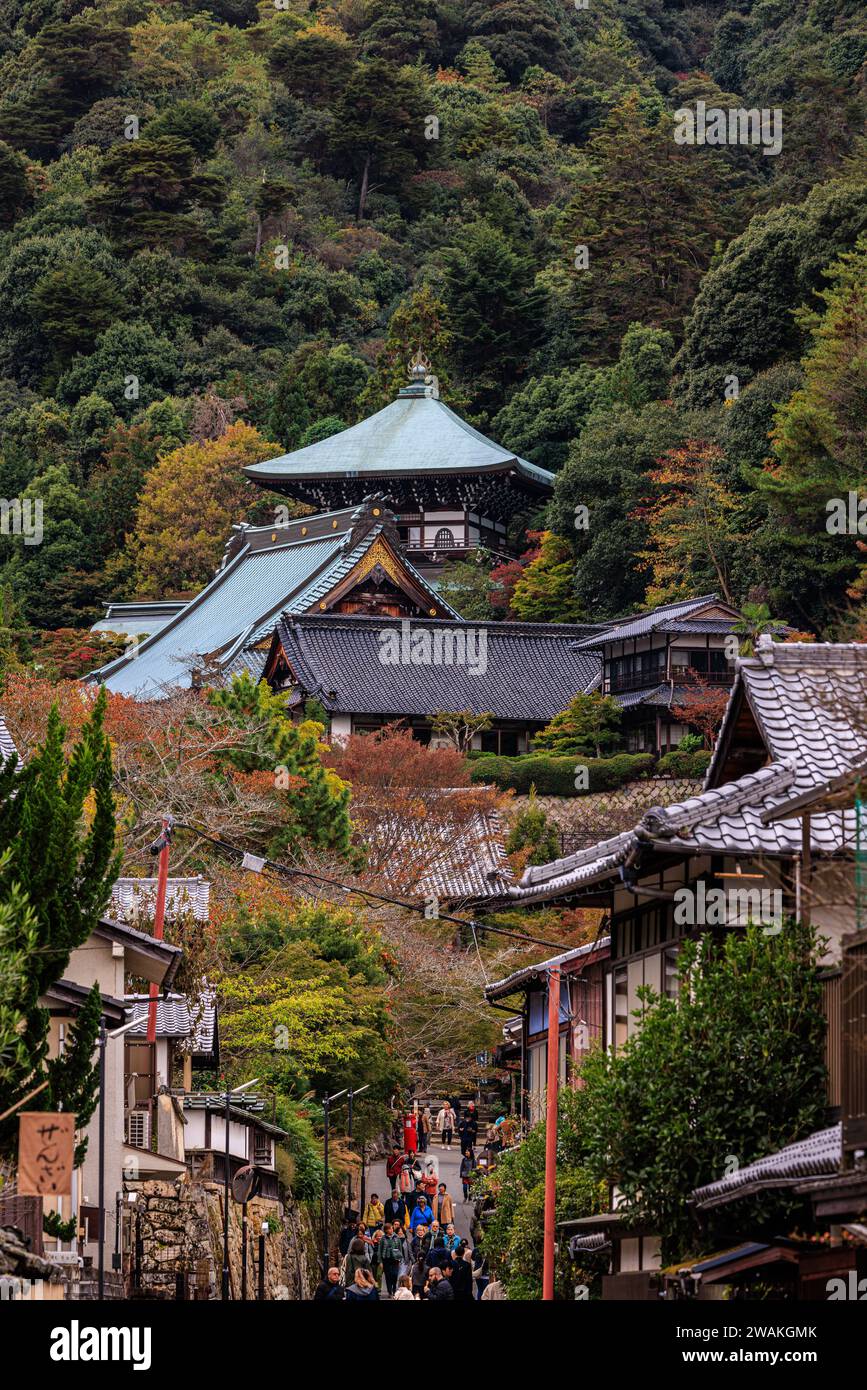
(853,1021)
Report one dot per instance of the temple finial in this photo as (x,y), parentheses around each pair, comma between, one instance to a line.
(419,367)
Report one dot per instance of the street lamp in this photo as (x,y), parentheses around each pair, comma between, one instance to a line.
(352,1095)
(103,1039)
(236,1090)
(326,1106)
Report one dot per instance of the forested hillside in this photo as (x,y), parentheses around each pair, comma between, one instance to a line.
(224,229)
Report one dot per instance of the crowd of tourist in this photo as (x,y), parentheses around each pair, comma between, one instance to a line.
(407,1246)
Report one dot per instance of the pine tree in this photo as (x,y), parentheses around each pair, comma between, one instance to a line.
(57,865)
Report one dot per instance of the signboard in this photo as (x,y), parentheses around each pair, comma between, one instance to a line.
(46,1145)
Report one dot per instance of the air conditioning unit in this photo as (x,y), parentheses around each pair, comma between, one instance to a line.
(138,1134)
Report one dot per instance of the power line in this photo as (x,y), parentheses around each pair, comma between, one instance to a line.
(286,871)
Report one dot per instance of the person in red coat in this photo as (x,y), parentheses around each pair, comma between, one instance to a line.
(410,1134)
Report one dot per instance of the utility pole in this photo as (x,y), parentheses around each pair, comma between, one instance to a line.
(160,847)
(551,1132)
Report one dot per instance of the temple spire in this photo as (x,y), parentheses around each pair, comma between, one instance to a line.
(419,375)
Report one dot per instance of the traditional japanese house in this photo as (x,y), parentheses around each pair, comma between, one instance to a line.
(794,721)
(252,1138)
(370,672)
(453,491)
(525,1047)
(654,662)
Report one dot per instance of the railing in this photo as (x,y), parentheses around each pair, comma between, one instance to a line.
(833,1058)
(684,676)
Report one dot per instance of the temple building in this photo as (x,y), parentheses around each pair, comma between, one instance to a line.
(452,490)
(400,493)
(346,562)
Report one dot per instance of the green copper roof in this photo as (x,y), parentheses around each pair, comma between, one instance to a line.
(415,435)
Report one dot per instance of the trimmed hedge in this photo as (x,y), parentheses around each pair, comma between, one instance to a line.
(556,776)
(677,764)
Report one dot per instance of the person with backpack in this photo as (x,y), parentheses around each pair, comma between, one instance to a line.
(393,1164)
(356,1258)
(391,1253)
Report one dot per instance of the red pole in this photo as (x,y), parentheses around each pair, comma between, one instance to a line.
(551,1132)
(159,917)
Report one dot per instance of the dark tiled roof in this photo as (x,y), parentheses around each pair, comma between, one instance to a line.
(134,899)
(177,1017)
(498,988)
(817,1155)
(531,670)
(465,859)
(7,743)
(808,701)
(669,617)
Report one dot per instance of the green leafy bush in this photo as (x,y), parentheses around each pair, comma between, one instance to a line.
(684,762)
(556,776)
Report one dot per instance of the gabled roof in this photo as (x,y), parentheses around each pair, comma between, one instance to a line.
(266,570)
(808,701)
(414,435)
(684,616)
(67,994)
(520,671)
(142,616)
(245,1109)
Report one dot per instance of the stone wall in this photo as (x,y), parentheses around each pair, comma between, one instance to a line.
(182,1234)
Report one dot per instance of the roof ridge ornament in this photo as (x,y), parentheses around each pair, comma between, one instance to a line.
(419,366)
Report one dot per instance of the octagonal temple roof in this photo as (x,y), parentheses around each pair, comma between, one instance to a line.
(417,437)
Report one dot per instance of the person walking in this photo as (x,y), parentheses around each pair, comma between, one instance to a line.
(496,1289)
(418,1276)
(421,1214)
(444,1208)
(425,1125)
(462,1274)
(356,1258)
(404,1289)
(468,1127)
(468,1164)
(363,1287)
(446,1126)
(348,1232)
(374,1213)
(329,1289)
(395,1210)
(390,1252)
(438,1288)
(393,1165)
(452,1239)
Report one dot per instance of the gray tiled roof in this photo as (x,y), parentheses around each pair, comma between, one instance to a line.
(808,700)
(134,899)
(497,988)
(466,861)
(817,1155)
(241,604)
(669,617)
(532,670)
(178,1018)
(724,819)
(7,742)
(414,435)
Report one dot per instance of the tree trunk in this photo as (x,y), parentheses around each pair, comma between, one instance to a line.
(362,197)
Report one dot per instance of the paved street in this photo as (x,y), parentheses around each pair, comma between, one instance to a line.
(448,1168)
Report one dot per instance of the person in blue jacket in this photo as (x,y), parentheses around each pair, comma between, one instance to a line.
(421,1213)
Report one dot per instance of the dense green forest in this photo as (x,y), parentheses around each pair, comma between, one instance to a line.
(225,228)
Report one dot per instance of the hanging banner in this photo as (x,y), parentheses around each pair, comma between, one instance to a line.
(46,1146)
